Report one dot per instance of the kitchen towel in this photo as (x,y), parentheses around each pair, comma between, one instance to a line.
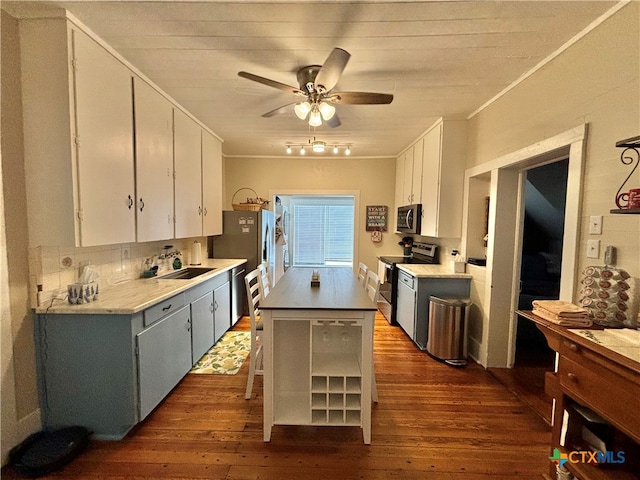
(562,313)
(196,253)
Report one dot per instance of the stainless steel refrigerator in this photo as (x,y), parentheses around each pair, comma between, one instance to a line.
(245,234)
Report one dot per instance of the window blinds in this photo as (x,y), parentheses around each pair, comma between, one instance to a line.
(322,231)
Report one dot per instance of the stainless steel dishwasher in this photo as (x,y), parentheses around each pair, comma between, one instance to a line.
(238,294)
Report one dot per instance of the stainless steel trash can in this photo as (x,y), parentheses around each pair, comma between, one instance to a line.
(447,338)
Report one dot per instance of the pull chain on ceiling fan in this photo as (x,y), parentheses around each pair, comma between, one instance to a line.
(316,83)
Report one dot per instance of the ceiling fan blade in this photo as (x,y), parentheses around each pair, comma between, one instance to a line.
(279,111)
(361,98)
(271,83)
(331,70)
(334,121)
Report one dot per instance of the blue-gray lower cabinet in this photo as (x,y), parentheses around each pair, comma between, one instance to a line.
(164,357)
(202,332)
(107,372)
(222,309)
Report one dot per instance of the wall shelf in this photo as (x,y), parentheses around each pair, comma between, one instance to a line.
(630,146)
(626,211)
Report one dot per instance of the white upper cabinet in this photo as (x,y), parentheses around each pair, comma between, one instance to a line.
(416,179)
(154,163)
(444,159)
(78,129)
(211,184)
(409,176)
(188,176)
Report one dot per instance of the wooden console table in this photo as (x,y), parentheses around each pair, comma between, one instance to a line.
(606,382)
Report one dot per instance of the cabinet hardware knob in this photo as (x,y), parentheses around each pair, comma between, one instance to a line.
(573,347)
(572,376)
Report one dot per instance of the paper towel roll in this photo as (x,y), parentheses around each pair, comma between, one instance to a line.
(196,253)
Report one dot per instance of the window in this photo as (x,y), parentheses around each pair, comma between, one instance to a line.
(322,228)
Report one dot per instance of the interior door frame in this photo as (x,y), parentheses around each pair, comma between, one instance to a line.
(505,224)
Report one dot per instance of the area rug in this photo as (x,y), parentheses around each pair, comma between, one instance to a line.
(227,356)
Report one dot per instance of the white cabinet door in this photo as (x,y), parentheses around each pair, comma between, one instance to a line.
(416,179)
(408,177)
(444,159)
(187,182)
(104,142)
(431,182)
(154,163)
(211,185)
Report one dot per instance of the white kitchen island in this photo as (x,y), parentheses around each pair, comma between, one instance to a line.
(318,351)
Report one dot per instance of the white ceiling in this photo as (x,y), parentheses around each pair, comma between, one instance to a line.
(438,58)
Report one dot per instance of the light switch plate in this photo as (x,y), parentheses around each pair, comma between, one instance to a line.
(595,224)
(593,248)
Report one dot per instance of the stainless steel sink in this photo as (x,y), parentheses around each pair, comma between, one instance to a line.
(186,273)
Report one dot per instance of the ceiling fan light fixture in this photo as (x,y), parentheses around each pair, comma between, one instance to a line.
(302,110)
(315,119)
(327,111)
(318,146)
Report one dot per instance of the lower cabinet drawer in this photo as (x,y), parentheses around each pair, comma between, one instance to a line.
(155,313)
(602,389)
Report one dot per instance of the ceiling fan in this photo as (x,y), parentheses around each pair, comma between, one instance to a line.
(316,83)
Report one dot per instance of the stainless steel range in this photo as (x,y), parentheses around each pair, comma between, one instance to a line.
(420,253)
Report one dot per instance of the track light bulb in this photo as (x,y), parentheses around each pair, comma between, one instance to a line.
(347,151)
(335,149)
(302,151)
(288,150)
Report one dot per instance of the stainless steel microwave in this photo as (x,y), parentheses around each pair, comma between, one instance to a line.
(409,218)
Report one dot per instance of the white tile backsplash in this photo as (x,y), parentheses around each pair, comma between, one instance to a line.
(53,268)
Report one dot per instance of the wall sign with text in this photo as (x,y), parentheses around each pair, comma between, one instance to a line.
(376,218)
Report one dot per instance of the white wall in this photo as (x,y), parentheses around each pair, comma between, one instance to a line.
(372,177)
(594,82)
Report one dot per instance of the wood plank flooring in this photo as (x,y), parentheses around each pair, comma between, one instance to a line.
(432,421)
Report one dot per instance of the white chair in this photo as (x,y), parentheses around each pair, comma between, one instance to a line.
(362,274)
(265,279)
(253,285)
(372,285)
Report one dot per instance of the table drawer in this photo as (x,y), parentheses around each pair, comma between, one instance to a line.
(611,393)
(155,313)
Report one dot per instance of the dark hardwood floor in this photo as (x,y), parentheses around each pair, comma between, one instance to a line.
(432,421)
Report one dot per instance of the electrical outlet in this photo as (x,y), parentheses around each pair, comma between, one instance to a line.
(595,224)
(593,248)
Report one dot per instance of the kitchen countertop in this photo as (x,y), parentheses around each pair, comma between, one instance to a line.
(431,271)
(136,295)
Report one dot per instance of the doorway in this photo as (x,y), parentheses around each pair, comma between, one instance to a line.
(545,190)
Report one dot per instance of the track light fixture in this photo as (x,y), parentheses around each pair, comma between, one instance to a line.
(318,146)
